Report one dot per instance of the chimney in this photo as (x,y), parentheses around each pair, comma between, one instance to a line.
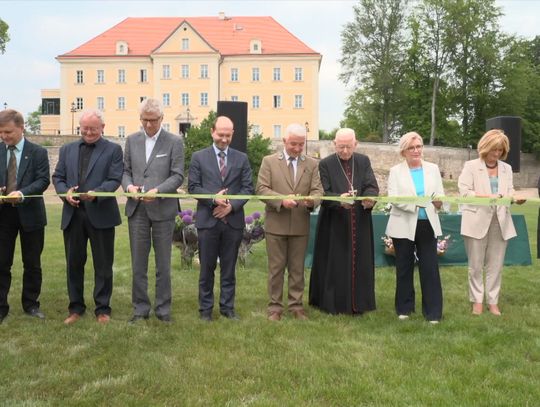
(221,15)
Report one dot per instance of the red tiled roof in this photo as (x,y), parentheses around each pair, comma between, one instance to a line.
(230,36)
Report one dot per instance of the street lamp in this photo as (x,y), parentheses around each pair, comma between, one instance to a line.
(5,105)
(73,110)
(306,124)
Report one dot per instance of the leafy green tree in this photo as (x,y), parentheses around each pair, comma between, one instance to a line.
(371,49)
(257,148)
(198,137)
(4,36)
(33,121)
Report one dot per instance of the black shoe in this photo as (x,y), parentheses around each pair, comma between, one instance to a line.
(206,316)
(164,318)
(136,318)
(35,312)
(230,314)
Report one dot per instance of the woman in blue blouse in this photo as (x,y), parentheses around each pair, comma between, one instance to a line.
(414,229)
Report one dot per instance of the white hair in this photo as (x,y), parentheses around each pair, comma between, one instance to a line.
(345,132)
(296,130)
(93,112)
(151,105)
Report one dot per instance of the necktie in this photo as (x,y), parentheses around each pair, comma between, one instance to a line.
(222,166)
(291,169)
(11,171)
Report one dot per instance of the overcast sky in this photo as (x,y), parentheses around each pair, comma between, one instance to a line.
(41,30)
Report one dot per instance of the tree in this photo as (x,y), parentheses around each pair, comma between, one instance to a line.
(257,148)
(4,36)
(372,56)
(33,121)
(198,137)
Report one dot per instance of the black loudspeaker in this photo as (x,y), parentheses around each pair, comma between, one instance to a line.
(511,125)
(237,112)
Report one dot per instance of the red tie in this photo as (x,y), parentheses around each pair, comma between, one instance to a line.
(11,171)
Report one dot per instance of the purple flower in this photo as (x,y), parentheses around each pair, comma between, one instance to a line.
(187,219)
(249,220)
(181,214)
(188,212)
(256,215)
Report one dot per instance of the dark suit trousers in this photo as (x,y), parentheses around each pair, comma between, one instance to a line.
(428,265)
(76,237)
(220,241)
(31,248)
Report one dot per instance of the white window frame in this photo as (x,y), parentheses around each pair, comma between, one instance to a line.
(121,76)
(276,101)
(298,101)
(298,74)
(100,76)
(166,72)
(100,103)
(276,74)
(255,102)
(185,44)
(204,98)
(255,74)
(143,75)
(204,71)
(234,74)
(184,99)
(184,69)
(121,103)
(277,130)
(166,99)
(79,76)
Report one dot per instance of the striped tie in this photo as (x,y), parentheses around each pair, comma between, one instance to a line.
(222,165)
(11,171)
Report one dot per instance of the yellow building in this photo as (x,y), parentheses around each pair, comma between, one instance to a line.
(189,64)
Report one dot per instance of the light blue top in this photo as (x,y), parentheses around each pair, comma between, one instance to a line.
(494,183)
(18,152)
(417,175)
(217,151)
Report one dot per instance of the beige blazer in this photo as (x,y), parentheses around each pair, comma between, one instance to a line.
(274,179)
(403,217)
(475,219)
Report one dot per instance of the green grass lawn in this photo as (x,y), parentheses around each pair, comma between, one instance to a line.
(372,360)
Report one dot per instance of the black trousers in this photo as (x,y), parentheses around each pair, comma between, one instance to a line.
(31,248)
(425,244)
(220,241)
(76,237)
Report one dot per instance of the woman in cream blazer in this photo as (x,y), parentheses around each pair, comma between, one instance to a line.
(414,229)
(486,229)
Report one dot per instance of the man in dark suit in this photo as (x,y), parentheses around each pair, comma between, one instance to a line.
(91,164)
(154,163)
(24,171)
(219,170)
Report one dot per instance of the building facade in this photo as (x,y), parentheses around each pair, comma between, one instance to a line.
(189,64)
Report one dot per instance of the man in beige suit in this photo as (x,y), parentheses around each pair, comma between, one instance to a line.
(291,173)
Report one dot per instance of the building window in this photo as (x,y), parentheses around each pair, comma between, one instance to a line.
(184,99)
(277,74)
(121,103)
(234,74)
(166,126)
(80,78)
(298,74)
(121,76)
(255,129)
(234,98)
(204,99)
(143,77)
(277,101)
(166,72)
(50,106)
(79,103)
(255,102)
(255,75)
(277,130)
(100,103)
(185,44)
(184,71)
(204,71)
(100,76)
(121,131)
(298,101)
(166,99)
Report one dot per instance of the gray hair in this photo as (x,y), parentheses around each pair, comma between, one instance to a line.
(345,132)
(93,112)
(151,105)
(295,129)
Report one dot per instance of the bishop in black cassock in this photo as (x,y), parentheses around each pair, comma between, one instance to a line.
(342,275)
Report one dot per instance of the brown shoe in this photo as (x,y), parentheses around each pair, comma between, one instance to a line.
(103,318)
(477,308)
(274,316)
(494,309)
(299,314)
(73,317)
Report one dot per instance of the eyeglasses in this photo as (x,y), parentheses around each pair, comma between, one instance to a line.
(413,148)
(152,121)
(91,130)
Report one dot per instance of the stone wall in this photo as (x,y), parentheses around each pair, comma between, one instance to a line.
(382,156)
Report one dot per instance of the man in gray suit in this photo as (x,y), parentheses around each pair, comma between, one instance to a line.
(153,163)
(220,223)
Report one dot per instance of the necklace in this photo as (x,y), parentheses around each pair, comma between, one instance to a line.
(492,167)
(351,181)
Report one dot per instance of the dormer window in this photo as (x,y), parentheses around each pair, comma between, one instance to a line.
(121,48)
(255,47)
